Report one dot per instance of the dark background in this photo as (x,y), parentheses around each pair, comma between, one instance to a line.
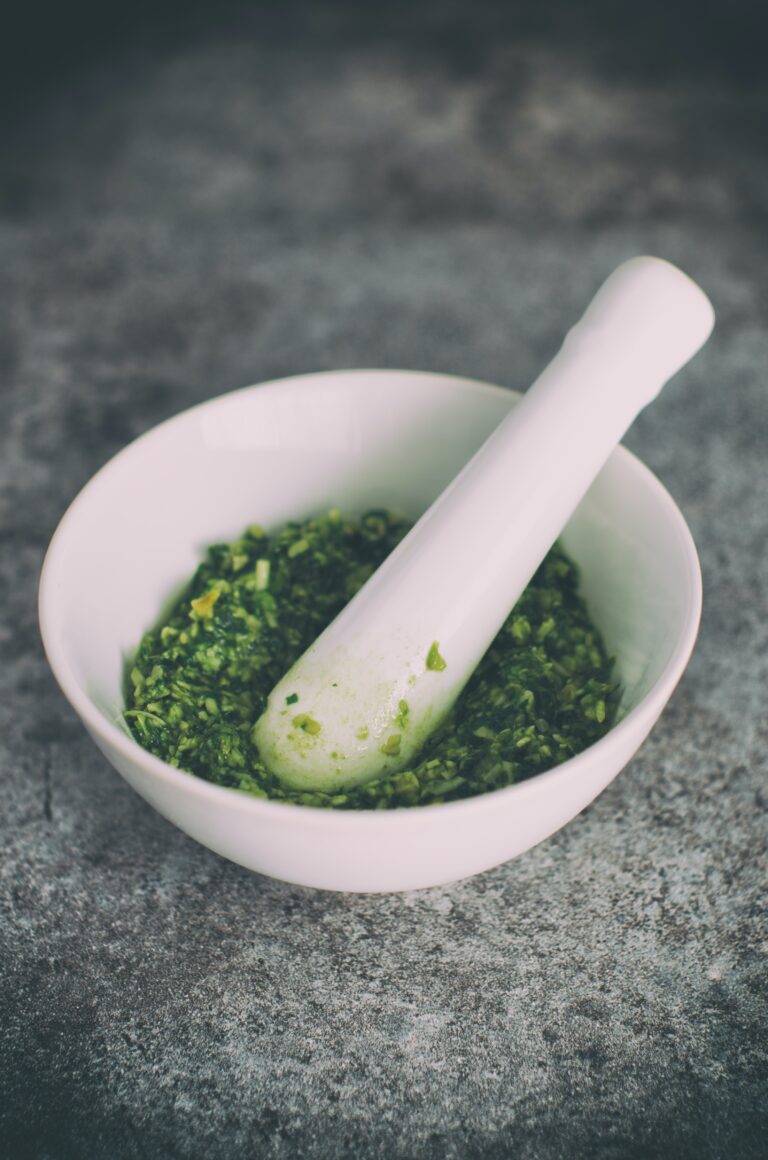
(197,197)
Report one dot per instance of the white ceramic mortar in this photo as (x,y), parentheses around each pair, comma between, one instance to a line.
(354,440)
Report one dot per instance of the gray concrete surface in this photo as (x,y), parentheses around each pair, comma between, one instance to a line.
(248,195)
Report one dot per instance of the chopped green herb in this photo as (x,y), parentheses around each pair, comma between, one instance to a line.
(391,746)
(203,606)
(307,723)
(262,573)
(199,682)
(435,662)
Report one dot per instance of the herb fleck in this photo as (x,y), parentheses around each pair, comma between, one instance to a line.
(307,723)
(391,746)
(261,575)
(203,606)
(435,662)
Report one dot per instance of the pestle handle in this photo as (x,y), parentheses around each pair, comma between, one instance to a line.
(456,576)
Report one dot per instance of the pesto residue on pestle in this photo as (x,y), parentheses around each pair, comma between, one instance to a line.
(200,680)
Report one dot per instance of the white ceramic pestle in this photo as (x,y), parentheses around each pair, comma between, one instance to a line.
(362,699)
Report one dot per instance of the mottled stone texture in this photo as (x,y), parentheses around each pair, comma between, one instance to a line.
(216,197)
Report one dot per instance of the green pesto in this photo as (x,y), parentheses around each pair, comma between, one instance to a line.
(200,680)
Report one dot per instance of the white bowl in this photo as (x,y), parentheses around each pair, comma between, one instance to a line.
(349,439)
